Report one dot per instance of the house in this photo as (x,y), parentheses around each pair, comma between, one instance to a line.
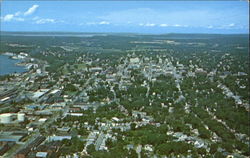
(75,109)
(75,114)
(148,147)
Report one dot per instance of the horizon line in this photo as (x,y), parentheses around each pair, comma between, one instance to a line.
(204,33)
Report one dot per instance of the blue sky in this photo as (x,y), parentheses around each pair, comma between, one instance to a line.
(126,16)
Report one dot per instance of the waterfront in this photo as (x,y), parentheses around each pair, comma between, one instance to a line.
(8,65)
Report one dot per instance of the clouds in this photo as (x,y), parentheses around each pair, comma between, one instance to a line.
(11,17)
(8,17)
(163,25)
(149,24)
(18,13)
(128,16)
(210,26)
(104,23)
(39,20)
(23,16)
(44,21)
(192,18)
(18,16)
(31,10)
(231,25)
(96,23)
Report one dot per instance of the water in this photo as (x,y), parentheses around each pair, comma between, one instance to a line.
(7,65)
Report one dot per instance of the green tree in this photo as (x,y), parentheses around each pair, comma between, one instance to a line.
(90,149)
(213,148)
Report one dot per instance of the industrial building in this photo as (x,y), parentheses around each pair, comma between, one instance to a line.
(7,118)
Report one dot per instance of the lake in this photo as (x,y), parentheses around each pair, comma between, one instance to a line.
(8,65)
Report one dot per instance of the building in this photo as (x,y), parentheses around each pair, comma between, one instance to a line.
(134,60)
(25,151)
(41,154)
(5,146)
(8,118)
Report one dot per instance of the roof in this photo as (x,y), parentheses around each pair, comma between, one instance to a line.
(38,94)
(41,154)
(55,91)
(10,138)
(42,119)
(75,114)
(32,106)
(59,138)
(134,60)
(115,118)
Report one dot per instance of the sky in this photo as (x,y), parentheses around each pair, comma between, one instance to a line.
(154,17)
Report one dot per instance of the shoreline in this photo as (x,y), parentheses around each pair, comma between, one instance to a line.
(17,64)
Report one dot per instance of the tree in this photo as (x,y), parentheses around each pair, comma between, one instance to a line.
(164,149)
(109,143)
(73,132)
(132,125)
(202,151)
(218,155)
(132,154)
(204,133)
(90,148)
(70,87)
(213,148)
